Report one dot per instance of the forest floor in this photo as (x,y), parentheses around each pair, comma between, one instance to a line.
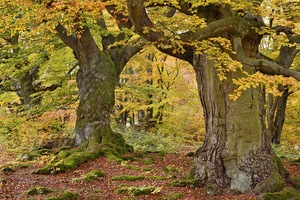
(158,170)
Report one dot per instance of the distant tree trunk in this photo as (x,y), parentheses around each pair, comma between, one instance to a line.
(26,88)
(276,115)
(236,152)
(280,117)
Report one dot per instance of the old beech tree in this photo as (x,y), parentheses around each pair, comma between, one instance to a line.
(100,64)
(237,151)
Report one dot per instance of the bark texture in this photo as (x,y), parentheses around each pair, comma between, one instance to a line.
(236,152)
(97,78)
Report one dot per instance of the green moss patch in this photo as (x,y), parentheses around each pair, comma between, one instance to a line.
(148,160)
(32,155)
(136,191)
(169,168)
(185,183)
(174,196)
(286,194)
(127,178)
(66,160)
(67,195)
(38,190)
(212,190)
(296,182)
(7,168)
(90,176)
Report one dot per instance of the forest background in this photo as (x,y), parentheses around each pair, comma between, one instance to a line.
(157,102)
(157,105)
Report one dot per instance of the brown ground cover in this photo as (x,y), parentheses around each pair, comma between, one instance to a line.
(172,166)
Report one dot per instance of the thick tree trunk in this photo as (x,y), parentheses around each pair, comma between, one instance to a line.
(236,152)
(97,78)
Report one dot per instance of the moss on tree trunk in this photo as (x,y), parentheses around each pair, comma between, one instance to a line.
(236,153)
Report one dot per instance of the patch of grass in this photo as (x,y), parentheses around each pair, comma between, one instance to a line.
(136,191)
(127,178)
(38,190)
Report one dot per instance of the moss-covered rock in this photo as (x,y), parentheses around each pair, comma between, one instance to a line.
(286,194)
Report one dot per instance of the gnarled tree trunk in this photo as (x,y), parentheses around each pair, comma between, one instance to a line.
(97,78)
(236,152)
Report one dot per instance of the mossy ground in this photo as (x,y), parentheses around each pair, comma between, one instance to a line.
(137,191)
(90,176)
(286,194)
(38,190)
(112,146)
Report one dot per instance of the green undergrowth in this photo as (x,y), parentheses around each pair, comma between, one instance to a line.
(137,191)
(287,152)
(148,141)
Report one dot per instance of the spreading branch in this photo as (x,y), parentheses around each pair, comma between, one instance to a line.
(263,65)
(69,40)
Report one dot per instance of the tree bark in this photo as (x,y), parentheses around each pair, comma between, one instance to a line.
(236,153)
(97,78)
